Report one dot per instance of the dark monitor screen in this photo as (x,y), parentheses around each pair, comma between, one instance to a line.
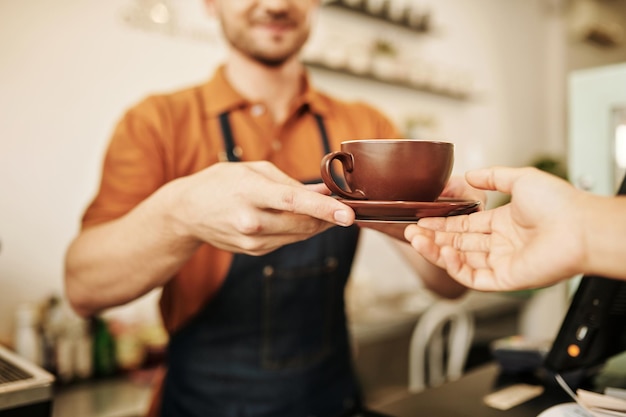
(594,328)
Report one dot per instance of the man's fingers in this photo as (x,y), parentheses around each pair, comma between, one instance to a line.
(320,188)
(255,244)
(299,200)
(292,196)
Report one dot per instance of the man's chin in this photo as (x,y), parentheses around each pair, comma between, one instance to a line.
(275,53)
(272,62)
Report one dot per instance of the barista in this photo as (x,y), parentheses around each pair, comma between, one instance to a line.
(213,193)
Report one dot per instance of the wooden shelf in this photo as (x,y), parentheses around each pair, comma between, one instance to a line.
(456,95)
(414,21)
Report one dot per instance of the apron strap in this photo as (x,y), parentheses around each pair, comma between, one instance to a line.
(232,151)
(323,133)
(229,140)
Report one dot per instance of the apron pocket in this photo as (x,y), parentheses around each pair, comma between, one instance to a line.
(299,306)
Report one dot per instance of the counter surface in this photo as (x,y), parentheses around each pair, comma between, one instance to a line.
(114,397)
(464,397)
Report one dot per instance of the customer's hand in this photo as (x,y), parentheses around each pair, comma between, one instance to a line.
(457,188)
(432,276)
(531,242)
(253,207)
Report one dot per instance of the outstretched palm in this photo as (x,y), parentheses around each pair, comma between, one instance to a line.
(509,247)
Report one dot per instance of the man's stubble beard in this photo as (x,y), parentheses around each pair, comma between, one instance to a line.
(248,47)
(271,61)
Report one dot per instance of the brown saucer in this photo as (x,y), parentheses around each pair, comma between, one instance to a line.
(408,211)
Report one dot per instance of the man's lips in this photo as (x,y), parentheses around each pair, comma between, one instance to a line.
(275,26)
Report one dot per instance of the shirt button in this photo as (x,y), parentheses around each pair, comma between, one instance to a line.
(257,110)
(331,262)
(268,271)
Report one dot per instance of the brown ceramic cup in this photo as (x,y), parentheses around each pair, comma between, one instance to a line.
(390,169)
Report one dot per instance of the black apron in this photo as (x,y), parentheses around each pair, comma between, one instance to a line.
(273,341)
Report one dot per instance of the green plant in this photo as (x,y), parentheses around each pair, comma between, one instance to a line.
(383,47)
(551,164)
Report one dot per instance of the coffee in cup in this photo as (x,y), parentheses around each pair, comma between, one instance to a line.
(390,169)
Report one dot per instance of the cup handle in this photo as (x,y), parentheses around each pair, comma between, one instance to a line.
(347,161)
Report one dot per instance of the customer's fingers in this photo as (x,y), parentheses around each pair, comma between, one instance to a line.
(496,178)
(479,222)
(458,188)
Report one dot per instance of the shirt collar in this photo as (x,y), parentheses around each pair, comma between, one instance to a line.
(219,96)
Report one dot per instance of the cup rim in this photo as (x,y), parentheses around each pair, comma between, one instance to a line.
(385,140)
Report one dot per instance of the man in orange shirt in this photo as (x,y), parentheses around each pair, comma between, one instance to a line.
(213,193)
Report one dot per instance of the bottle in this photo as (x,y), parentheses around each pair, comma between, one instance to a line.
(83,348)
(104,362)
(64,357)
(52,323)
(27,336)
(74,350)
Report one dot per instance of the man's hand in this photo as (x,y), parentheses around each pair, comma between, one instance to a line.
(253,207)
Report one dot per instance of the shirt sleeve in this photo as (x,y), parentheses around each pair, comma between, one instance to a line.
(134,164)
